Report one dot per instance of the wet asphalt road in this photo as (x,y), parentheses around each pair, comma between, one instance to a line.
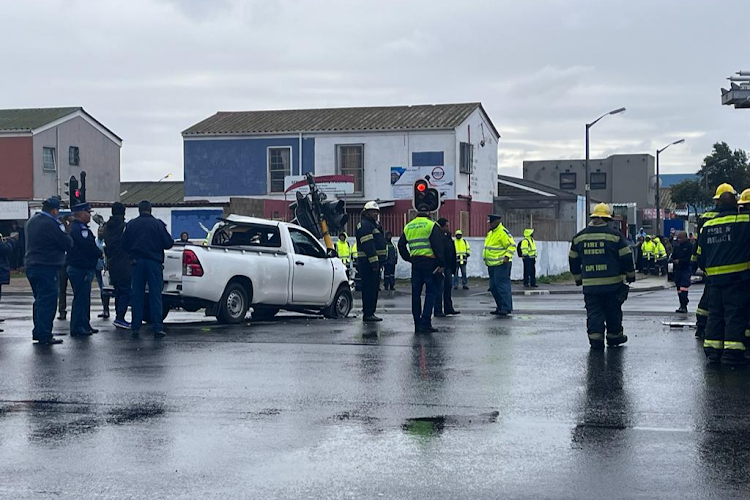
(311,408)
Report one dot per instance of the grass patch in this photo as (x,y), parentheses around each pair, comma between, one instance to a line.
(557,278)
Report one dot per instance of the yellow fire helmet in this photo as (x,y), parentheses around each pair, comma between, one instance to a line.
(602,210)
(724,188)
(744,197)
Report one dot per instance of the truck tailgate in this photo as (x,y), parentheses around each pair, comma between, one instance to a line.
(172,269)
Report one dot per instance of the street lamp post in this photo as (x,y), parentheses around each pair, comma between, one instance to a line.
(658,201)
(586,178)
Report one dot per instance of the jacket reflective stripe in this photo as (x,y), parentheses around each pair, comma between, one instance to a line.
(624,251)
(701,312)
(366,237)
(728,269)
(733,345)
(572,254)
(713,344)
(417,234)
(596,237)
(727,219)
(611,280)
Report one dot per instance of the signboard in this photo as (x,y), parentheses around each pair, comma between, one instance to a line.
(328,184)
(403,178)
(650,213)
(14,210)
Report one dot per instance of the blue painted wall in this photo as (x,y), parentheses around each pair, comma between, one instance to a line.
(427,159)
(188,220)
(237,167)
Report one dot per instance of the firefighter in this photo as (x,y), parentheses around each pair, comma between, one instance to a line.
(599,260)
(498,254)
(724,254)
(682,252)
(425,241)
(463,252)
(528,253)
(701,313)
(391,261)
(371,256)
(648,249)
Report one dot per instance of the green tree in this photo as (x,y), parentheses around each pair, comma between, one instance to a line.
(693,194)
(725,165)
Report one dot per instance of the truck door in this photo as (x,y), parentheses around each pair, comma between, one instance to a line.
(312,270)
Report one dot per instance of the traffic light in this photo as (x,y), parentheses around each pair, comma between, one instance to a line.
(426,199)
(73,192)
(82,197)
(304,215)
(334,213)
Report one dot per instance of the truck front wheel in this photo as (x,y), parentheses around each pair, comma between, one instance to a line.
(234,304)
(341,305)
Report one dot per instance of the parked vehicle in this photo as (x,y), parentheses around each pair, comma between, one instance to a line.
(265,265)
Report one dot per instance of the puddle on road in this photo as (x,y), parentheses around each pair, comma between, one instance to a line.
(432,426)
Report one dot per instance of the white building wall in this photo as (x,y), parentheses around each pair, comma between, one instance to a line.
(383,151)
(475,129)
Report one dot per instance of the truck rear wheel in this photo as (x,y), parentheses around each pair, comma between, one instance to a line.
(233,305)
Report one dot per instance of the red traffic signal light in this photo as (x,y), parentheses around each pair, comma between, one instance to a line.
(426,199)
(421,186)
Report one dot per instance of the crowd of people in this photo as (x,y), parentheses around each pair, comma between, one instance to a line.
(61,249)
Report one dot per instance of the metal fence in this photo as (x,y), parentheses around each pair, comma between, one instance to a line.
(544,229)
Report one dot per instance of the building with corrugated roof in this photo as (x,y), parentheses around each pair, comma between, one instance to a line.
(381,150)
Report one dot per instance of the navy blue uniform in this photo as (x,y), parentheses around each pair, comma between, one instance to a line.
(46,244)
(82,260)
(682,253)
(145,239)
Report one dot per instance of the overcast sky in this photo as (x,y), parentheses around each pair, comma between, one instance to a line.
(149,69)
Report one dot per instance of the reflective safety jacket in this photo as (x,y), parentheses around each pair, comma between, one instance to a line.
(463,250)
(417,234)
(724,248)
(659,251)
(704,217)
(528,245)
(370,241)
(343,251)
(648,249)
(498,244)
(600,259)
(355,253)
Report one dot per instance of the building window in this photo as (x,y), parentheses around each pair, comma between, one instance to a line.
(598,180)
(279,166)
(73,157)
(351,161)
(48,159)
(568,180)
(466,158)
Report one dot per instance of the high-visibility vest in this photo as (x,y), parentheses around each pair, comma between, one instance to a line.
(648,248)
(354,253)
(528,248)
(343,250)
(498,245)
(659,251)
(463,250)
(417,234)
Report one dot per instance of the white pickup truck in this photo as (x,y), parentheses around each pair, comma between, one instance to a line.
(248,262)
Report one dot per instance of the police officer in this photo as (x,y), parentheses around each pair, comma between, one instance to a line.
(118,263)
(682,252)
(371,252)
(82,259)
(724,254)
(701,313)
(145,238)
(528,253)
(498,254)
(599,259)
(425,251)
(391,260)
(463,252)
(46,244)
(444,301)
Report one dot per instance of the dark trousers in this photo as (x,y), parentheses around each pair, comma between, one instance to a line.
(62,283)
(423,278)
(122,298)
(44,285)
(500,287)
(464,277)
(444,298)
(701,314)
(604,314)
(147,272)
(389,275)
(727,320)
(529,271)
(80,282)
(105,298)
(370,283)
(682,283)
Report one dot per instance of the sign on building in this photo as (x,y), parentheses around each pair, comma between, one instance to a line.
(331,185)
(14,210)
(403,178)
